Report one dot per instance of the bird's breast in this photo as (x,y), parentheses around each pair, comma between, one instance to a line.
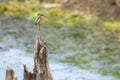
(39,20)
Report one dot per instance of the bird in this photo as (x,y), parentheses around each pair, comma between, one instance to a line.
(38,20)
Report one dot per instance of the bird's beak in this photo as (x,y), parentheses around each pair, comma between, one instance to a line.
(44,16)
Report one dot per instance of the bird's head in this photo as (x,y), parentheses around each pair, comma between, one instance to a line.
(39,14)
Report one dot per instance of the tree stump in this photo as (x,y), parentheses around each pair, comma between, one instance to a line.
(41,65)
(41,69)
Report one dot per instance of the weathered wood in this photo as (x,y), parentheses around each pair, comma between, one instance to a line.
(41,65)
(9,74)
(117,2)
(28,75)
(41,69)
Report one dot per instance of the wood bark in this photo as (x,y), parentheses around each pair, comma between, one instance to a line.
(41,65)
(9,74)
(41,69)
(117,2)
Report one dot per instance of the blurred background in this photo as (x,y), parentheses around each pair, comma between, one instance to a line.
(83,33)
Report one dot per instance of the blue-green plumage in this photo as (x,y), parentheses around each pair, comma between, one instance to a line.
(37,18)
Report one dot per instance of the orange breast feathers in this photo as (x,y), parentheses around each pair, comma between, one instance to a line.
(39,21)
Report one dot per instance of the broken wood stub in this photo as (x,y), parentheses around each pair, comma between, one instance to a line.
(28,75)
(41,69)
(9,74)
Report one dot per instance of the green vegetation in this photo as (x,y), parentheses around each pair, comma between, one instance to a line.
(1,40)
(86,41)
(29,51)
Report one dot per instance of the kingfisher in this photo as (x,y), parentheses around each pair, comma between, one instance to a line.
(38,20)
